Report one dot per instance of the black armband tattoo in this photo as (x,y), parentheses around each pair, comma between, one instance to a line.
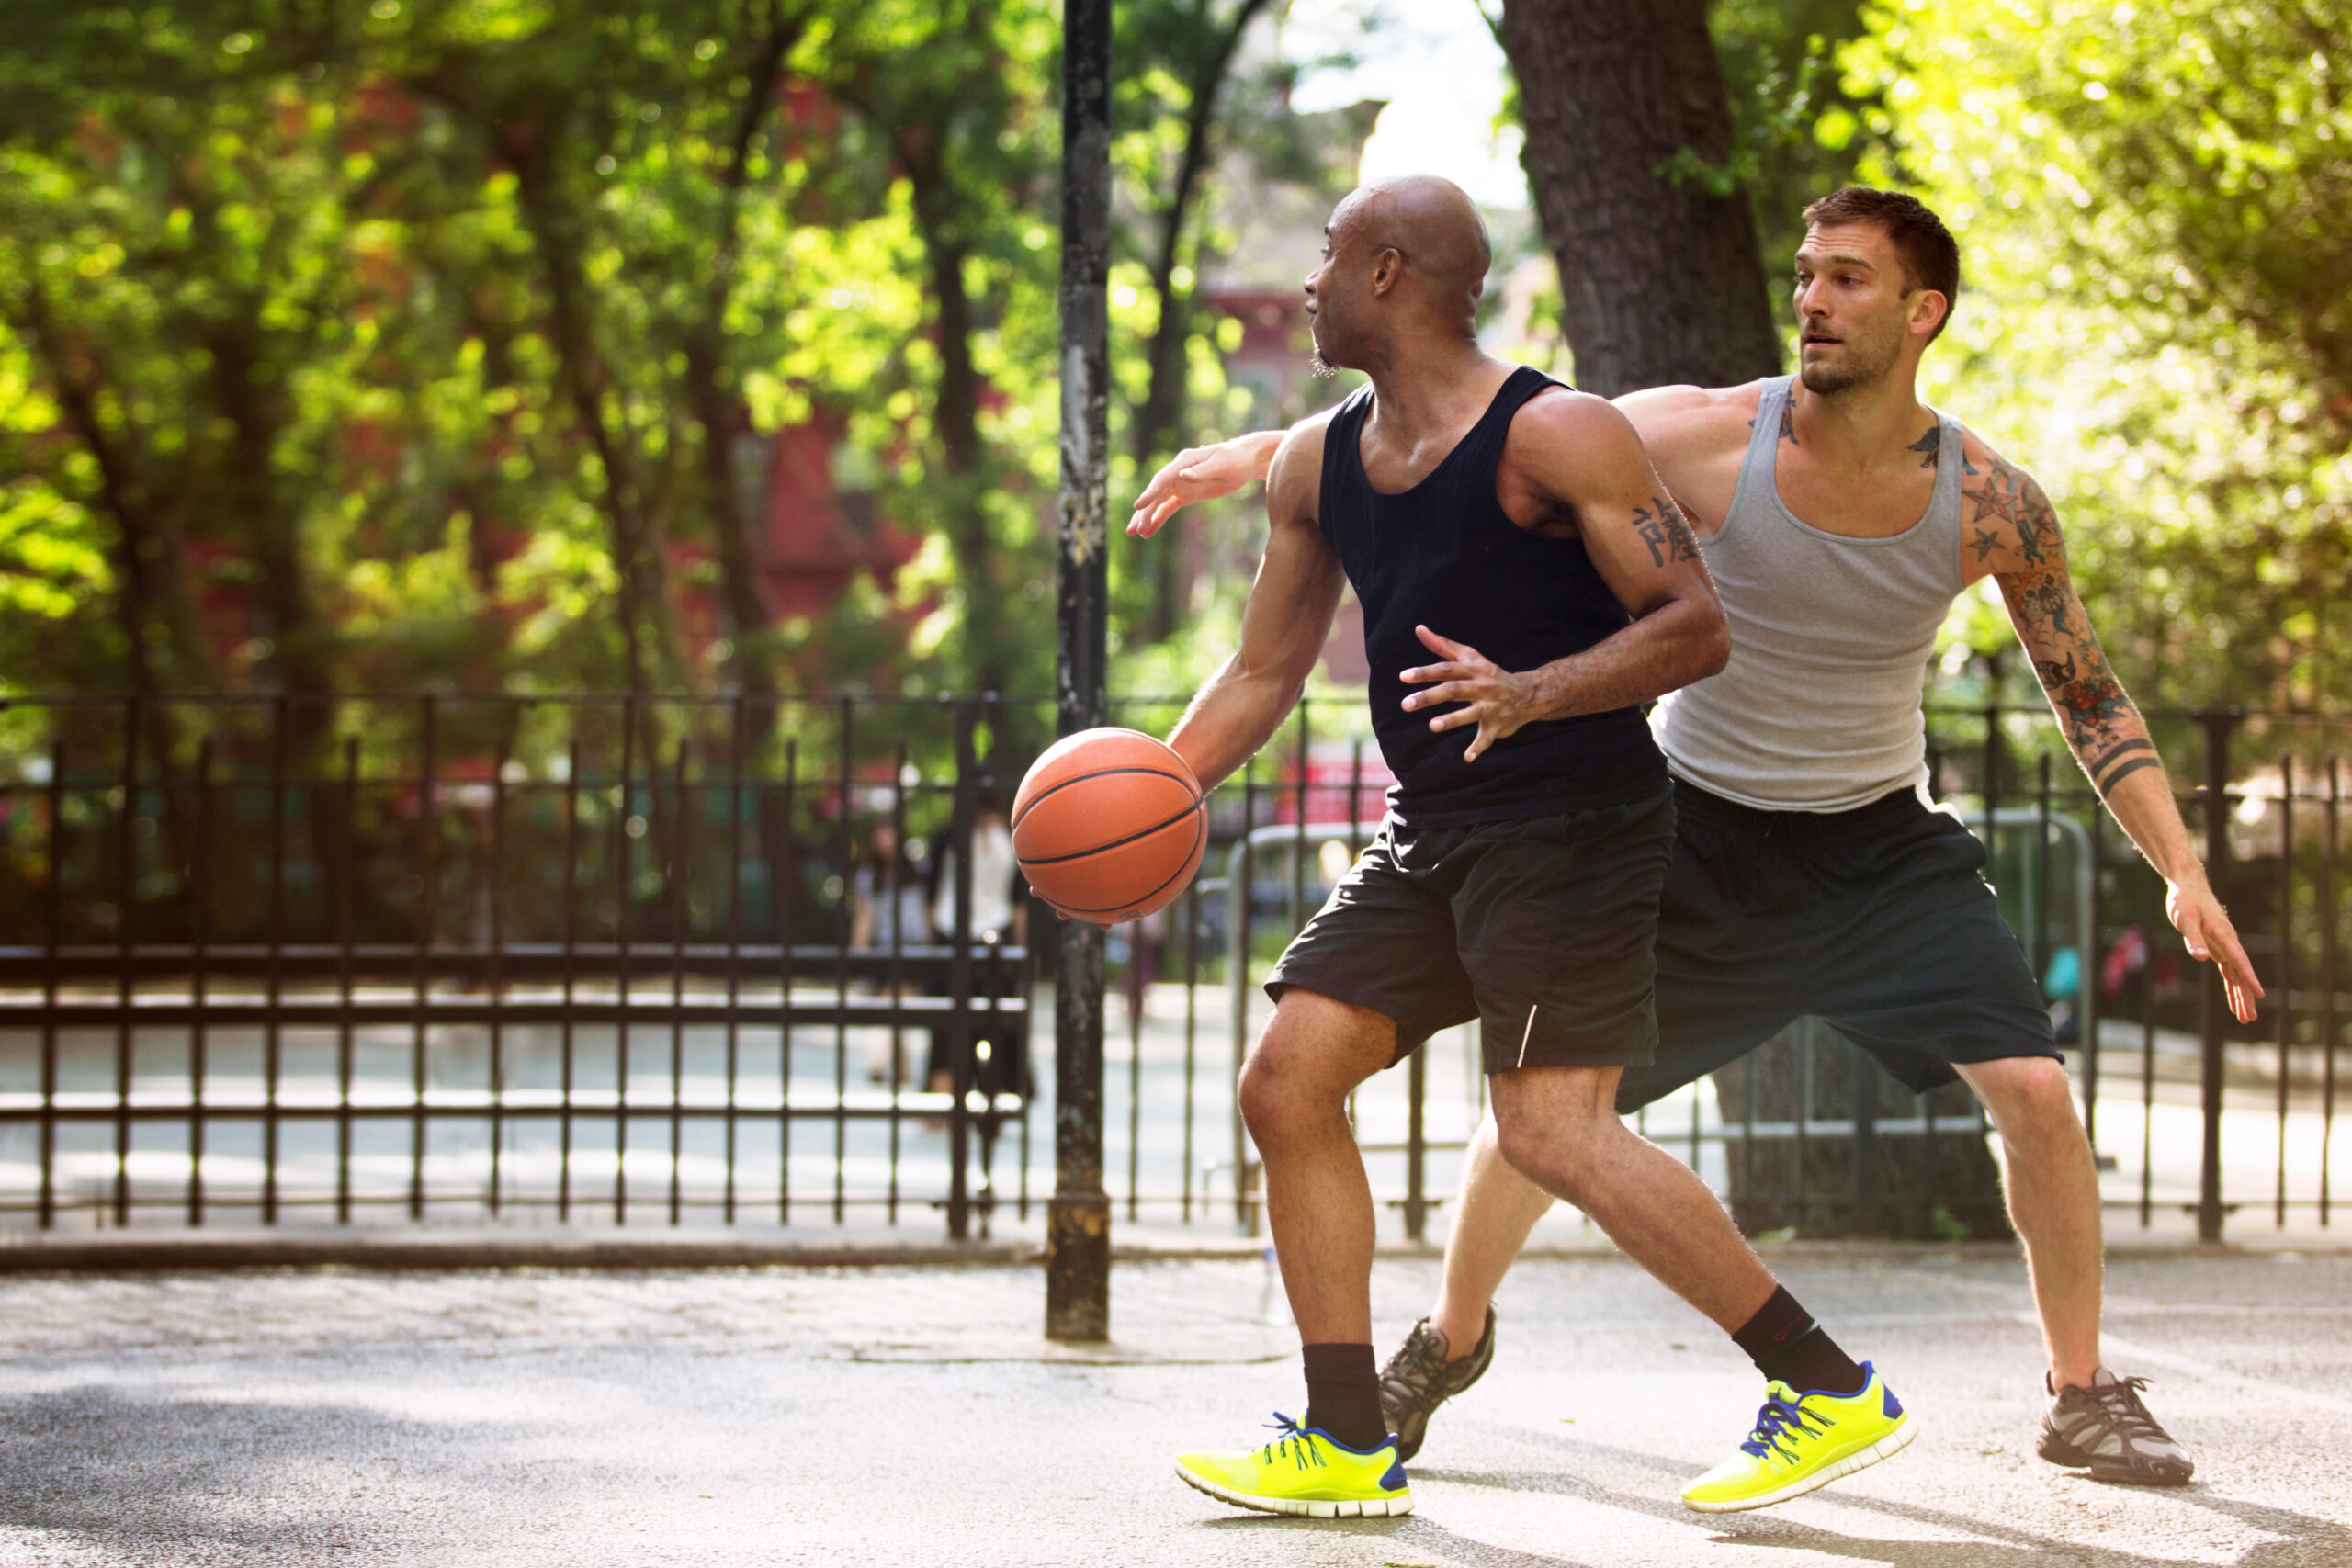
(2106,784)
(2119,749)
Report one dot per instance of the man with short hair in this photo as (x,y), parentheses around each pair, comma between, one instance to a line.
(1840,517)
(1516,878)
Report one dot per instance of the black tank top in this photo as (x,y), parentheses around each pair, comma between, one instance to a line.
(1445,555)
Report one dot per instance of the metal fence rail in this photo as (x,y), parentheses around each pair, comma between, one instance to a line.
(435,957)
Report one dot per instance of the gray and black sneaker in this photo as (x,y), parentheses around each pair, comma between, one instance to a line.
(1418,1379)
(2107,1427)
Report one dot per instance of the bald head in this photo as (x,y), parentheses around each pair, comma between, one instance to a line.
(1433,224)
(1404,263)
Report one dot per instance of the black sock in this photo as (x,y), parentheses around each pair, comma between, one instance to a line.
(1788,1346)
(1344,1394)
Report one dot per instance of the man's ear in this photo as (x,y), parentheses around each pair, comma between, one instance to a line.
(1388,270)
(1928,308)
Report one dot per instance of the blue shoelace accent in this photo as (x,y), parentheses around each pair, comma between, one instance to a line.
(1780,1418)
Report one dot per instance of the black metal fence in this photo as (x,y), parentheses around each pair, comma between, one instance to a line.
(456,958)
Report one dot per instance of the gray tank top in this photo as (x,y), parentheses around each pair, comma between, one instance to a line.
(1818,709)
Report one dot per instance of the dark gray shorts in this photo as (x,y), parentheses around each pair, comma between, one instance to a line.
(1876,920)
(1540,928)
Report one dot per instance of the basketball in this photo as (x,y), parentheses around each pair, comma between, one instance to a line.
(1108,826)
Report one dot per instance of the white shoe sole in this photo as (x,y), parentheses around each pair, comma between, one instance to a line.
(1895,1442)
(1303,1507)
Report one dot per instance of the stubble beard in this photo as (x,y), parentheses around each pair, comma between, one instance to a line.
(1865,365)
(1318,362)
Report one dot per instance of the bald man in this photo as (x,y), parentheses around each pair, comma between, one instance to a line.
(1527,584)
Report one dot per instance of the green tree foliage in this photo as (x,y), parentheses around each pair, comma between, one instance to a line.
(2153,203)
(174,284)
(443,333)
(1801,128)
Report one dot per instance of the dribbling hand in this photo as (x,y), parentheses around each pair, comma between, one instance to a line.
(1494,699)
(1195,474)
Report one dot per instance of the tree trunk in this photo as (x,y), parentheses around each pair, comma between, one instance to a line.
(524,144)
(256,415)
(1628,133)
(956,418)
(151,593)
(717,410)
(1163,402)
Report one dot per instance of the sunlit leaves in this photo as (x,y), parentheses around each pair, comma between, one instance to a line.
(2157,319)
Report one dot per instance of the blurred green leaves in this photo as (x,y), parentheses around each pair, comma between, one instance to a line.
(2156,211)
(430,342)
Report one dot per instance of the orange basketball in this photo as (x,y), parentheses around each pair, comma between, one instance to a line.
(1108,826)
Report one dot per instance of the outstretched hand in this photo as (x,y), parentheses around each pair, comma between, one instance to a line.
(1195,474)
(1494,699)
(2205,927)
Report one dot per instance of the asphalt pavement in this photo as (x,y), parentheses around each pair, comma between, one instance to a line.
(915,1415)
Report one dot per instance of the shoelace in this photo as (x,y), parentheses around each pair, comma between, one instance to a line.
(2120,1404)
(1414,1367)
(1782,1418)
(1291,1445)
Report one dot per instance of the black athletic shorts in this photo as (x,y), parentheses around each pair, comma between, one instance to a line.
(1877,920)
(1539,927)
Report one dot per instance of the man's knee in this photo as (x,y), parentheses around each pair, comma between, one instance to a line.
(1549,1123)
(2027,1096)
(1315,1050)
(1272,1089)
(1556,1159)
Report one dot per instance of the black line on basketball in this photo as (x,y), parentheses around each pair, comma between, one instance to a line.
(1048,793)
(1115,843)
(1106,909)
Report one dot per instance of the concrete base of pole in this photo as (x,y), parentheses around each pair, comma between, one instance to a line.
(1077,1267)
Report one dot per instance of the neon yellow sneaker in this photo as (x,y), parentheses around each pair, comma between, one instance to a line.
(1802,1441)
(1304,1472)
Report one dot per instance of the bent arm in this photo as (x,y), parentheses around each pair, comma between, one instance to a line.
(1282,627)
(1578,456)
(2102,725)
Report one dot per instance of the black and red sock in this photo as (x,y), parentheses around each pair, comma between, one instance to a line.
(1788,1346)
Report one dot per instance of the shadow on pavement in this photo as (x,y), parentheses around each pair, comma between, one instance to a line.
(1414,1530)
(1999,1545)
(165,1479)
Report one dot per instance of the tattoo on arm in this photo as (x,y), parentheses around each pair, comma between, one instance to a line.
(2104,729)
(2011,501)
(1663,529)
(2127,756)
(2049,599)
(2105,783)
(2097,716)
(2089,702)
